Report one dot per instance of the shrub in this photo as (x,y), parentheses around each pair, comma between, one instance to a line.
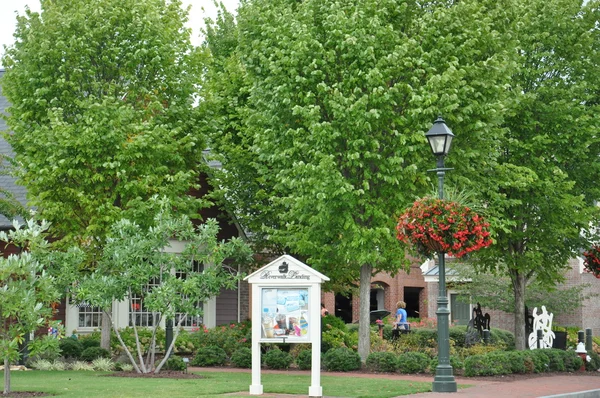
(540,360)
(45,347)
(228,337)
(209,356)
(242,357)
(70,348)
(91,353)
(412,362)
(556,362)
(80,365)
(594,363)
(479,365)
(304,360)
(277,359)
(455,362)
(41,364)
(341,359)
(103,364)
(126,367)
(175,363)
(88,341)
(382,362)
(58,365)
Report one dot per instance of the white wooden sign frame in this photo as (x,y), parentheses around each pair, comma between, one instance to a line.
(286,298)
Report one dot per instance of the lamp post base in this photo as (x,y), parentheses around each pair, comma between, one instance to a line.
(444,380)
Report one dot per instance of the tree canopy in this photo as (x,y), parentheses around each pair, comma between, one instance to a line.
(335,102)
(101,111)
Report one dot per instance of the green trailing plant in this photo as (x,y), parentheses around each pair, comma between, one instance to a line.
(209,356)
(341,360)
(242,357)
(278,359)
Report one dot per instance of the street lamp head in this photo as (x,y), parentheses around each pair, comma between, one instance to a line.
(440,137)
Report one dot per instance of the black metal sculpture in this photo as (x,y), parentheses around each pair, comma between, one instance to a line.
(478,323)
(528,322)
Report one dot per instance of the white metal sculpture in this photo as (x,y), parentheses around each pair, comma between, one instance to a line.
(542,322)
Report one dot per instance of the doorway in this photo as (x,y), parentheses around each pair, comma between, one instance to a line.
(412,299)
(343,307)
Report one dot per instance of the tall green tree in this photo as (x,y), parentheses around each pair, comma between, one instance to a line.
(540,189)
(101,95)
(340,95)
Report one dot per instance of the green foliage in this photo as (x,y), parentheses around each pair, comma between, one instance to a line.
(242,357)
(26,293)
(304,360)
(412,362)
(111,110)
(70,348)
(341,359)
(175,363)
(103,364)
(81,365)
(456,363)
(382,362)
(332,322)
(44,347)
(594,364)
(228,337)
(529,361)
(337,335)
(209,356)
(277,359)
(91,353)
(90,340)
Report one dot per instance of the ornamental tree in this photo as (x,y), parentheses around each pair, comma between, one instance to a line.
(101,113)
(135,256)
(538,189)
(26,291)
(333,125)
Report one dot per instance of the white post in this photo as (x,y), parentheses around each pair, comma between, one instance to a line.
(315,389)
(256,388)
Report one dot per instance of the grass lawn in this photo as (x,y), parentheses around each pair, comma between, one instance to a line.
(96,384)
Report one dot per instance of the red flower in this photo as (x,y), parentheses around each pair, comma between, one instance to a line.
(436,225)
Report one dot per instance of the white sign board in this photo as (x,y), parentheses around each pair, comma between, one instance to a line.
(286,297)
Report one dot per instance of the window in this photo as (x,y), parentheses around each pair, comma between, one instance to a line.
(138,313)
(89,317)
(460,309)
(190,321)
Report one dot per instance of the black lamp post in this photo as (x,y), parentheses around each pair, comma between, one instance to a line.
(440,139)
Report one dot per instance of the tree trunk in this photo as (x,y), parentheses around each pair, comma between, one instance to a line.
(6,376)
(519,282)
(364,327)
(105,331)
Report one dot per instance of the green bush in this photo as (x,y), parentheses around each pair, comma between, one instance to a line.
(556,361)
(91,353)
(242,357)
(341,359)
(144,335)
(594,364)
(277,359)
(228,337)
(45,347)
(333,338)
(210,356)
(382,362)
(71,348)
(331,322)
(455,362)
(412,362)
(304,360)
(458,335)
(175,363)
(479,365)
(90,340)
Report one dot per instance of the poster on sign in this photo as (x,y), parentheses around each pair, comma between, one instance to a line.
(285,314)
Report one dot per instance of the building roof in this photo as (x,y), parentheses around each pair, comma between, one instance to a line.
(8,182)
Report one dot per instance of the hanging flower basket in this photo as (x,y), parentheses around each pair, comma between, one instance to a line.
(591,261)
(436,225)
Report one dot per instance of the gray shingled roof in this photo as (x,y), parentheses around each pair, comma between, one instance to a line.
(8,182)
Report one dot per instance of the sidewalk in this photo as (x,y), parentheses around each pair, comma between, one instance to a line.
(574,385)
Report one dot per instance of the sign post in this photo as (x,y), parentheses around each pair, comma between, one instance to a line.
(286,296)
